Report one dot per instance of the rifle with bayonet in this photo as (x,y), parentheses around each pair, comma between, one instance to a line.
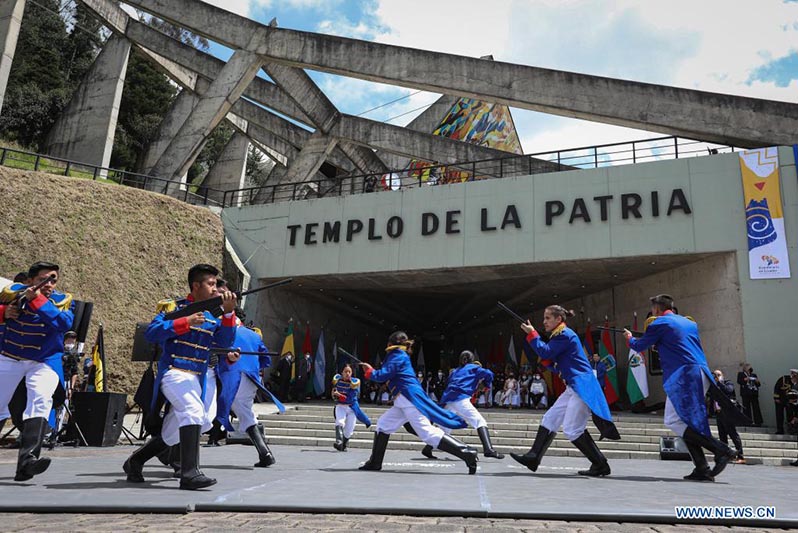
(20,297)
(620,330)
(235,350)
(214,305)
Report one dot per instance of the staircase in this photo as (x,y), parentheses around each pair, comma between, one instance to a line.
(312,425)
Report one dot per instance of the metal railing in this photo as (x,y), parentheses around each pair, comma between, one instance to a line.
(423,174)
(21,159)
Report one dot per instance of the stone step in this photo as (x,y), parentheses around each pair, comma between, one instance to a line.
(555,450)
(515,443)
(527,425)
(633,435)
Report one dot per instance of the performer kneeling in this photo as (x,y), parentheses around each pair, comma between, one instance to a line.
(582,395)
(241,380)
(686,379)
(347,409)
(185,350)
(413,406)
(36,317)
(463,383)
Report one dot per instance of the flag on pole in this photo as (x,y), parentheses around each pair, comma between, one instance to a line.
(591,349)
(511,351)
(335,356)
(288,346)
(319,367)
(307,347)
(608,358)
(420,363)
(365,356)
(98,360)
(636,379)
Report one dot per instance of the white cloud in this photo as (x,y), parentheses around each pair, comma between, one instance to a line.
(240,7)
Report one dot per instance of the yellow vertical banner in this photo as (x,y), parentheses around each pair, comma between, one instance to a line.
(767,244)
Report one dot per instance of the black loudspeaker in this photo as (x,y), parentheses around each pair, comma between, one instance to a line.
(100,416)
(144,350)
(673,449)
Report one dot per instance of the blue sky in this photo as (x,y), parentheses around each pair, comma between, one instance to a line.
(708,45)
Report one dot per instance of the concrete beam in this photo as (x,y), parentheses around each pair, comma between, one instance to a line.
(196,61)
(84,131)
(721,118)
(11,12)
(310,158)
(229,171)
(167,131)
(402,141)
(209,111)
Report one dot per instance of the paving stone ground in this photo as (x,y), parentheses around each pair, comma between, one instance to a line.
(297,522)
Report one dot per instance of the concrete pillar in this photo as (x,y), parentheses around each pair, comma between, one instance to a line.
(10,19)
(310,158)
(85,130)
(209,111)
(228,173)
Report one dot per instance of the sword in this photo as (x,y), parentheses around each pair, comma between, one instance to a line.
(620,330)
(352,357)
(511,312)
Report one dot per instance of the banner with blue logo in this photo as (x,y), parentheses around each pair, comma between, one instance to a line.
(767,243)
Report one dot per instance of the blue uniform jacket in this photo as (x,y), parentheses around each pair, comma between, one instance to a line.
(683,366)
(185,347)
(397,372)
(248,367)
(601,372)
(38,333)
(463,382)
(350,390)
(564,351)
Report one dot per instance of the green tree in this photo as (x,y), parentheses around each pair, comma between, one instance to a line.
(37,89)
(146,98)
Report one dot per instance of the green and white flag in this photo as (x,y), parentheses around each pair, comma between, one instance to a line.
(636,379)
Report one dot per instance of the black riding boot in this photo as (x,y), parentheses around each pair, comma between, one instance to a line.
(191,477)
(344,444)
(339,438)
(487,446)
(29,464)
(723,454)
(134,466)
(701,472)
(265,457)
(461,451)
(531,459)
(377,452)
(598,463)
(426,451)
(173,458)
(216,433)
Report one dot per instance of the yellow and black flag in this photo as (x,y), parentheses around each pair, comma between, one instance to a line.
(98,360)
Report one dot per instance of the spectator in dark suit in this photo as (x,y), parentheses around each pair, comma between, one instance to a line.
(726,427)
(749,393)
(284,375)
(303,369)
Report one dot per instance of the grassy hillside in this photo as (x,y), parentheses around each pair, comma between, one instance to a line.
(119,247)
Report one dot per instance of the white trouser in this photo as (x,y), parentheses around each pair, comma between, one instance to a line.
(209,401)
(183,391)
(467,412)
(40,380)
(345,418)
(498,398)
(570,412)
(242,404)
(404,411)
(671,418)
